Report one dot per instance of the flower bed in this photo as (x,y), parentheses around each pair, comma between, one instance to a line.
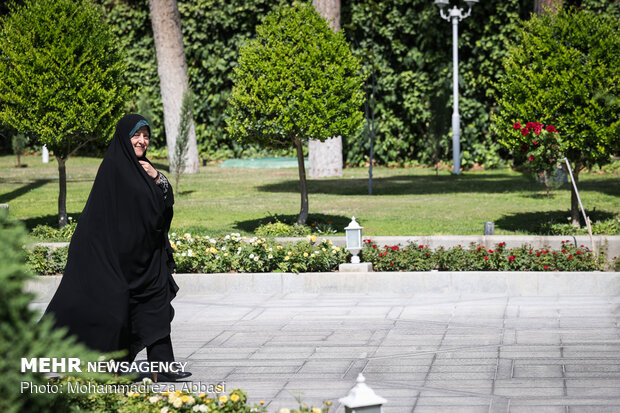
(146,400)
(480,258)
(233,253)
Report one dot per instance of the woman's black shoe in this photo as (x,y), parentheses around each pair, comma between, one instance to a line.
(172,375)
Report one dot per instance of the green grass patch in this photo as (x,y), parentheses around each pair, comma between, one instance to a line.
(412,201)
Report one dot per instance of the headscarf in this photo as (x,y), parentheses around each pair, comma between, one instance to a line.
(116,290)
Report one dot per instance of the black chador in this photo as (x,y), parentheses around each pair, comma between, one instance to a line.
(117,287)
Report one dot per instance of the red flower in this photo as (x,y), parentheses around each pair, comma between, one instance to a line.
(563,250)
(516,125)
(523,148)
(538,254)
(486,258)
(578,252)
(525,131)
(531,158)
(530,251)
(395,248)
(421,246)
(392,264)
(570,256)
(374,246)
(551,129)
(491,251)
(511,258)
(502,244)
(545,267)
(534,143)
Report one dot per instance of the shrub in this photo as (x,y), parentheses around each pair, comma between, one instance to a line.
(481,258)
(51,234)
(18,143)
(280,229)
(606,227)
(564,71)
(23,335)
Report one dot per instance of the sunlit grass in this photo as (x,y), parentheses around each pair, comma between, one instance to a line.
(405,201)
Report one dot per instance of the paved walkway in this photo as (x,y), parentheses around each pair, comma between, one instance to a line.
(423,353)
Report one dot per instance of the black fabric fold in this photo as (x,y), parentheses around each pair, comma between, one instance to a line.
(117,287)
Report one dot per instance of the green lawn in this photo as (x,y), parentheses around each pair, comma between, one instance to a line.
(405,201)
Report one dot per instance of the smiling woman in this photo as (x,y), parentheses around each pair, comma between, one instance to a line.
(117,285)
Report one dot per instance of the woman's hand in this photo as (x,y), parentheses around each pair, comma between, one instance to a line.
(150,171)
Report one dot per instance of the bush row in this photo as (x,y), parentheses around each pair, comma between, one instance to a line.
(233,253)
(480,258)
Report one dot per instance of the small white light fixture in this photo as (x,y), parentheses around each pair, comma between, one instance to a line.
(362,399)
(354,240)
(442,3)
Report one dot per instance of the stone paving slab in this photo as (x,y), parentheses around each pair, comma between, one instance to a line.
(422,352)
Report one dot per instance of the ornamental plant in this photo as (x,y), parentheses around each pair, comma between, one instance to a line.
(61,78)
(541,150)
(563,69)
(297,80)
(480,258)
(24,334)
(232,253)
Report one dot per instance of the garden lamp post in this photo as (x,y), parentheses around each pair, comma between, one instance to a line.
(362,399)
(354,240)
(454,15)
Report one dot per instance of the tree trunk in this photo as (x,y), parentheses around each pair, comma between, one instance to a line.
(303,188)
(62,193)
(574,203)
(325,158)
(172,70)
(539,5)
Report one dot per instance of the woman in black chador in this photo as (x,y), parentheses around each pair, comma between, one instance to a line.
(117,287)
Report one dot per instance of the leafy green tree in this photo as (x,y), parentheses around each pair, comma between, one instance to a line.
(297,80)
(61,78)
(565,71)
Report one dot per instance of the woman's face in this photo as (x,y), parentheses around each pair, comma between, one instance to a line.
(140,141)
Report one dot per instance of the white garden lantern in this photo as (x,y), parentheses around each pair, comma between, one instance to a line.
(362,399)
(354,240)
